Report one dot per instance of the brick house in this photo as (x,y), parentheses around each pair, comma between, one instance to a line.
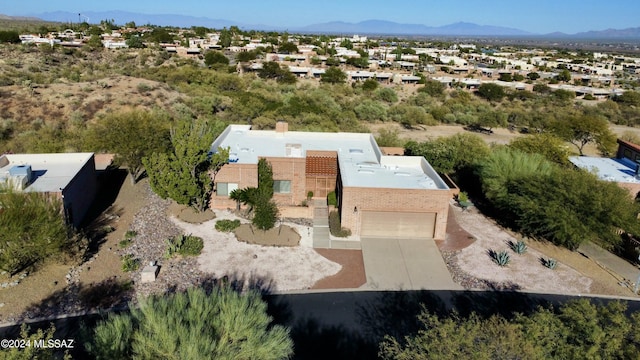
(378,195)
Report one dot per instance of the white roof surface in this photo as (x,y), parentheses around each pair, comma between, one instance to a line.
(616,170)
(51,172)
(360,160)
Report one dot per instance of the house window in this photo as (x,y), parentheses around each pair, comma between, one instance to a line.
(282,186)
(627,154)
(224,189)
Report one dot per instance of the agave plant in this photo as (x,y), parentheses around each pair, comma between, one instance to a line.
(518,247)
(501,258)
(549,263)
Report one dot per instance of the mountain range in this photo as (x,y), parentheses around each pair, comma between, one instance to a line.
(378,27)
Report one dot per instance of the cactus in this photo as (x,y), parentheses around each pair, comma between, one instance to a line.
(518,247)
(502,258)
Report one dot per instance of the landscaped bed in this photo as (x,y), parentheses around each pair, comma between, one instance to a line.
(282,235)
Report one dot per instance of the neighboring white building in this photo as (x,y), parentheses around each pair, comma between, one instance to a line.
(70,177)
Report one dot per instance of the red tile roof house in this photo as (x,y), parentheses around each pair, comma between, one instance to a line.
(378,195)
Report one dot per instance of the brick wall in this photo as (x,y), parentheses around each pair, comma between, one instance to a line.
(292,169)
(245,175)
(387,199)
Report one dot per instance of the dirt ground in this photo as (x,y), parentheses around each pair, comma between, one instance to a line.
(282,235)
(104,263)
(574,274)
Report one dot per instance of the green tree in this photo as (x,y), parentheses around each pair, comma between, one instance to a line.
(215,57)
(491,91)
(260,199)
(288,48)
(333,75)
(9,36)
(506,77)
(387,95)
(433,88)
(576,330)
(370,85)
(94,43)
(33,229)
(359,62)
(246,56)
(370,110)
(160,35)
(551,147)
(184,174)
(32,351)
(131,136)
(564,75)
(224,324)
(628,97)
(581,130)
(533,76)
(450,154)
(135,42)
(272,70)
(225,38)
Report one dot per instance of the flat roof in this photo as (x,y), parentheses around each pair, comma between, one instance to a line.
(360,160)
(51,172)
(616,170)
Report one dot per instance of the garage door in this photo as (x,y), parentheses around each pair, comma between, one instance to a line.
(397,224)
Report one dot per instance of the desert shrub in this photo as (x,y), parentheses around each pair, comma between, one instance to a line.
(335,227)
(387,94)
(130,263)
(331,199)
(33,229)
(226,225)
(123,244)
(143,88)
(370,110)
(185,245)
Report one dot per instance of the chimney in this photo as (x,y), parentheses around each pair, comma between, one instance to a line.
(282,126)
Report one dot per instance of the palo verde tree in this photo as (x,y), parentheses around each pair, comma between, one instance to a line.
(223,324)
(33,229)
(581,130)
(184,174)
(131,136)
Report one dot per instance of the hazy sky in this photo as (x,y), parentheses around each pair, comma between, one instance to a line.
(537,16)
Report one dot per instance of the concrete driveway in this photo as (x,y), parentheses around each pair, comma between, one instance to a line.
(405,264)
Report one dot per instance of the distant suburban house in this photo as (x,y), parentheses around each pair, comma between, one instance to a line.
(624,169)
(70,177)
(378,195)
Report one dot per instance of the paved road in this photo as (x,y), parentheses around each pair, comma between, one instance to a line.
(405,264)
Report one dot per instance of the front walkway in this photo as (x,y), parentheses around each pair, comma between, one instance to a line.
(405,264)
(321,224)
